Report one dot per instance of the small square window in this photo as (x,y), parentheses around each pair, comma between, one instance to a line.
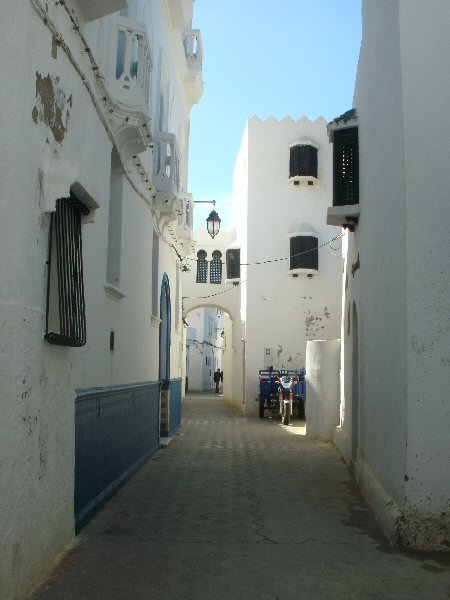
(304,252)
(303,161)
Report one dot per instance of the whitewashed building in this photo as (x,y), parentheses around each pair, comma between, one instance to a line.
(392,181)
(95,213)
(290,267)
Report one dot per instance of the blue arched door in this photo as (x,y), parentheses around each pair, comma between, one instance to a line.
(164,331)
(170,388)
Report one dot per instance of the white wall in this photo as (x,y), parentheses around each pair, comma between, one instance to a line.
(37,381)
(427,181)
(323,366)
(398,296)
(376,291)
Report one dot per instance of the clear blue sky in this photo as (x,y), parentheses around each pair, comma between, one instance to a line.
(265,57)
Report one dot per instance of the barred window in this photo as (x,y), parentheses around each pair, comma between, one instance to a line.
(233,258)
(202,267)
(66,318)
(215,275)
(304,252)
(345,167)
(303,161)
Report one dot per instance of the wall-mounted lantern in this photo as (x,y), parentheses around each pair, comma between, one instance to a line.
(213,221)
(213,224)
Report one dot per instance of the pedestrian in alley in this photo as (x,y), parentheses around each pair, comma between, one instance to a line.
(217,377)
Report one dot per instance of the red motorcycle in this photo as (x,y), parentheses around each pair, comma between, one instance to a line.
(286,396)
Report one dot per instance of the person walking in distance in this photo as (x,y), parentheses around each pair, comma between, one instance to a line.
(217,378)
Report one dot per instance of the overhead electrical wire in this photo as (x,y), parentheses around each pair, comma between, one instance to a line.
(337,237)
(272,260)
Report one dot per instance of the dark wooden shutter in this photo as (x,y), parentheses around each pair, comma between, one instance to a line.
(303,161)
(345,167)
(304,252)
(233,263)
(65,288)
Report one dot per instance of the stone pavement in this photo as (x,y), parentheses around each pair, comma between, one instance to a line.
(241,508)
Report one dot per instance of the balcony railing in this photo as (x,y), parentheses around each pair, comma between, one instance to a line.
(132,63)
(193,48)
(186,216)
(166,166)
(193,51)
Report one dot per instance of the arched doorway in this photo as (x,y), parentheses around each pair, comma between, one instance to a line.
(164,330)
(213,341)
(170,411)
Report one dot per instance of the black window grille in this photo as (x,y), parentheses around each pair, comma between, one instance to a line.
(345,167)
(202,267)
(233,258)
(303,161)
(304,252)
(215,275)
(66,317)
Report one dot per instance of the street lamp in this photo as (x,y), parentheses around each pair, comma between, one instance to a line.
(213,224)
(213,221)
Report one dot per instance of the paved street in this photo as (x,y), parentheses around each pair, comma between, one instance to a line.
(241,508)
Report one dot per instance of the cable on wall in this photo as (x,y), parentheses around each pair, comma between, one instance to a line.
(99,105)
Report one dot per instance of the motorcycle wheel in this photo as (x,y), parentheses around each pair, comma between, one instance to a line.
(285,415)
(261,408)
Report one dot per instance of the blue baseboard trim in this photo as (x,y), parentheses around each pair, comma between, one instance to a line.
(116,431)
(85,515)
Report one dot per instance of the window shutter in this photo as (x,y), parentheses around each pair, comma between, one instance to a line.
(345,167)
(233,263)
(303,161)
(202,267)
(304,252)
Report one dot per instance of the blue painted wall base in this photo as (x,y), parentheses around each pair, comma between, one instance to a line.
(116,430)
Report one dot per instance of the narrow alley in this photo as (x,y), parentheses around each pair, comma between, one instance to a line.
(239,507)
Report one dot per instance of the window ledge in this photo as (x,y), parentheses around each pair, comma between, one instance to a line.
(234,281)
(303,272)
(308,179)
(113,292)
(343,216)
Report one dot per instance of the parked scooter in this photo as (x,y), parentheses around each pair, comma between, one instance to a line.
(286,396)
